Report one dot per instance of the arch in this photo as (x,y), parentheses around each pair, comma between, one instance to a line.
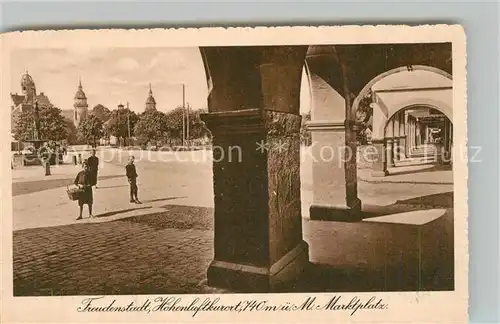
(208,76)
(433,104)
(381,76)
(309,85)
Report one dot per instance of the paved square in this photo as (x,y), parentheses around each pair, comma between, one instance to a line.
(166,244)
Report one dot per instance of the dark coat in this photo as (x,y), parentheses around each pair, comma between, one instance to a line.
(130,171)
(84,178)
(93,163)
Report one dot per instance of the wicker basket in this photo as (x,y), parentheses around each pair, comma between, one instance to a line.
(73,193)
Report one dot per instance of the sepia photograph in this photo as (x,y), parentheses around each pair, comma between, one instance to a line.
(322,167)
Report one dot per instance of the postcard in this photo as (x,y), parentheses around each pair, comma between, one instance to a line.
(266,174)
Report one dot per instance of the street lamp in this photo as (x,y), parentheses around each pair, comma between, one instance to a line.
(128,124)
(185,114)
(46,155)
(36,133)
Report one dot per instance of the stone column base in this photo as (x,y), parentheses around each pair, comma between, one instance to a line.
(377,174)
(258,279)
(446,158)
(336,213)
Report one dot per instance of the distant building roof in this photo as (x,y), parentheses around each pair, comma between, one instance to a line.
(67,113)
(16,99)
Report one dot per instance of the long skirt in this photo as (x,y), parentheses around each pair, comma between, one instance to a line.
(86,196)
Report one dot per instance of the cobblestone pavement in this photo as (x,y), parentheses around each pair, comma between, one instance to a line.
(166,244)
(169,252)
(157,253)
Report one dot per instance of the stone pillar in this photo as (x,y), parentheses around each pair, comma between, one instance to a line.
(407,137)
(389,135)
(442,146)
(335,195)
(451,143)
(379,163)
(410,132)
(388,151)
(413,137)
(396,148)
(258,245)
(420,139)
(447,142)
(417,134)
(402,136)
(258,225)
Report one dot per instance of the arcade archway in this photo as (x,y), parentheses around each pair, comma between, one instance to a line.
(254,97)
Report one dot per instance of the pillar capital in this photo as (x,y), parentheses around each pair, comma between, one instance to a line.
(252,121)
(378,141)
(329,125)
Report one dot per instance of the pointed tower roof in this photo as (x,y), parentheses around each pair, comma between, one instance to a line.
(80,94)
(150,99)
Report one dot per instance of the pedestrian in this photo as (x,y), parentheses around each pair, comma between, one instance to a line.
(84,181)
(132,180)
(93,162)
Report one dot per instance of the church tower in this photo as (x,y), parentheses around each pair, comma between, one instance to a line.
(80,105)
(150,101)
(28,88)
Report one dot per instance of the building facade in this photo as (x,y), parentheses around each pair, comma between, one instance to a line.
(26,99)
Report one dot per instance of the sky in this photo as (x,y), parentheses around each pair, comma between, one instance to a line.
(111,76)
(116,75)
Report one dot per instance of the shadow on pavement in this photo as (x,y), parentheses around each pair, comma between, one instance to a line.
(176,216)
(163,199)
(123,211)
(168,252)
(110,187)
(441,200)
(325,278)
(444,199)
(436,167)
(23,188)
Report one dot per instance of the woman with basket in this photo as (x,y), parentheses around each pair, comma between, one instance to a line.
(84,182)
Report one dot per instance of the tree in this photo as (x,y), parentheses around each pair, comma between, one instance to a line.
(363,117)
(197,128)
(72,137)
(91,129)
(118,123)
(174,122)
(305,135)
(53,125)
(152,125)
(365,109)
(101,112)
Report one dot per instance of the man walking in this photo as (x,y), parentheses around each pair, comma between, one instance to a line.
(132,180)
(93,163)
